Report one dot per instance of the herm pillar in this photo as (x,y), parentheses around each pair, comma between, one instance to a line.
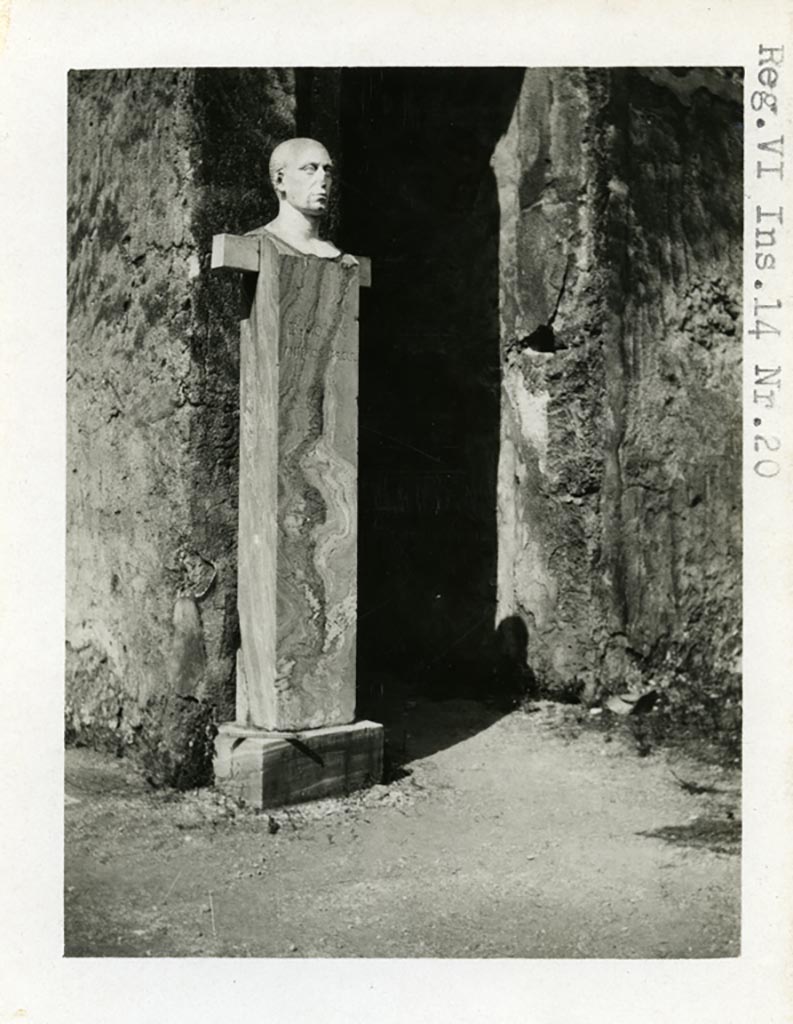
(295,736)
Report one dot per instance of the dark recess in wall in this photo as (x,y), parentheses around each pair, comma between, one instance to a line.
(419,197)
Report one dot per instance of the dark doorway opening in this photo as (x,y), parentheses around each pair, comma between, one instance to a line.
(419,197)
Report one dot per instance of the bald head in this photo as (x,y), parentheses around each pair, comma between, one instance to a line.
(297,159)
(285,153)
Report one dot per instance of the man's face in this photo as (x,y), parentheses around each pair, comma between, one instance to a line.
(306,179)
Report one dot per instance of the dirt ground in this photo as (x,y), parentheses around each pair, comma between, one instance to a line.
(528,834)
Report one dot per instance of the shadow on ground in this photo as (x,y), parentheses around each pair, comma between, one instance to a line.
(713,834)
(426,727)
(424,712)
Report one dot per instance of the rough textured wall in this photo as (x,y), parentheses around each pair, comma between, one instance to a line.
(671,534)
(619,475)
(159,160)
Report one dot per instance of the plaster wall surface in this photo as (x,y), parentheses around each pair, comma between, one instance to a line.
(620,468)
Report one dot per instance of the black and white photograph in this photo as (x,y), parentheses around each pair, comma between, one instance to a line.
(396,439)
(404,512)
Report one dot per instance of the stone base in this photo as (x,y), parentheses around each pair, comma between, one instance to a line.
(268,769)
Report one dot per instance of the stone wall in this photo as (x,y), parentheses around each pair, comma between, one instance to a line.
(159,160)
(620,469)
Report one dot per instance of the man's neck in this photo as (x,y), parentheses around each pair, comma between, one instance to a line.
(300,231)
(294,225)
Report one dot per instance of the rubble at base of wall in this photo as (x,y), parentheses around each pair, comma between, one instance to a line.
(169,738)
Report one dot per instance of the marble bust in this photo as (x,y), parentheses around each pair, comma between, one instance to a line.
(301,172)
